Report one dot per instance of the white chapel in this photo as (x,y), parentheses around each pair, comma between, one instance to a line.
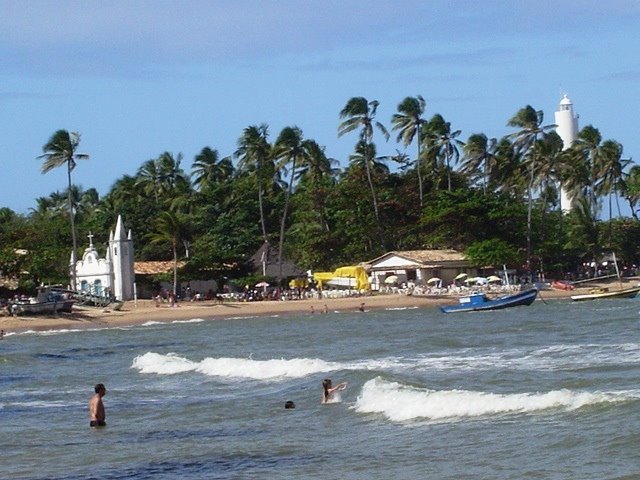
(112,275)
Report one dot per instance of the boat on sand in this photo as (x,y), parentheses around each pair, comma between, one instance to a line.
(48,300)
(599,293)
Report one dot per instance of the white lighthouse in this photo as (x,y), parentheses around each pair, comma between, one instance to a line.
(567,129)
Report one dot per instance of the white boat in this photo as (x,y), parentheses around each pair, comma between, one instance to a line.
(606,293)
(47,300)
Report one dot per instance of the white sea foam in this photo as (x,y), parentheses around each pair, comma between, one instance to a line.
(400,402)
(192,320)
(246,368)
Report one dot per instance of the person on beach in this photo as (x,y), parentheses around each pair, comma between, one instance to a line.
(328,390)
(361,307)
(96,407)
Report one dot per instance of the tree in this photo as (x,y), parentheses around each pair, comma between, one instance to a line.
(360,113)
(61,149)
(254,152)
(290,151)
(208,169)
(170,228)
(409,122)
(529,121)
(444,142)
(479,155)
(631,189)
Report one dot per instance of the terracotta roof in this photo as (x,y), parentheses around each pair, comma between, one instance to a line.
(154,268)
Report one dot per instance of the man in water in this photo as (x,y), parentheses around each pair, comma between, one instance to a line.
(96,407)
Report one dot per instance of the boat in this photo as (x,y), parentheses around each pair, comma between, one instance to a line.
(479,301)
(604,292)
(48,300)
(598,293)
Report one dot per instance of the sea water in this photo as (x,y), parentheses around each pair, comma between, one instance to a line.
(548,391)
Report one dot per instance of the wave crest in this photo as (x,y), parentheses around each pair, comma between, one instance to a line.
(400,402)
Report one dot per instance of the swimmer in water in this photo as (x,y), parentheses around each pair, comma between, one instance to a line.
(328,390)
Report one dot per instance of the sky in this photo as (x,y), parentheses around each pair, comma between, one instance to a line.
(138,78)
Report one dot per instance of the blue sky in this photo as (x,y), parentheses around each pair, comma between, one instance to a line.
(137,78)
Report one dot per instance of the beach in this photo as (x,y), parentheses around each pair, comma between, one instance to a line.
(137,312)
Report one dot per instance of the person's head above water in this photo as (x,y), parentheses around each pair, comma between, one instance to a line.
(289,404)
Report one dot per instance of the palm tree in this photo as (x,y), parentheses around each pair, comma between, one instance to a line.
(162,176)
(290,152)
(479,155)
(360,113)
(631,189)
(409,122)
(529,121)
(611,173)
(149,177)
(61,149)
(445,143)
(254,152)
(170,228)
(207,169)
(316,171)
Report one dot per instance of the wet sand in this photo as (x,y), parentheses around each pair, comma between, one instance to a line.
(135,313)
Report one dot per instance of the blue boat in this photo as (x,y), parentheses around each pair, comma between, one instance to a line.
(479,301)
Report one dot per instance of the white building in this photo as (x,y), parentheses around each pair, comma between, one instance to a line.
(112,275)
(567,129)
(418,266)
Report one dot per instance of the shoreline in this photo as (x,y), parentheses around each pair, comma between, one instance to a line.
(137,313)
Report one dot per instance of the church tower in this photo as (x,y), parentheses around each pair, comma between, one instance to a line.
(120,254)
(567,129)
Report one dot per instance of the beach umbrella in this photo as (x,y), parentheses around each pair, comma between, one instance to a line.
(434,280)
(494,278)
(461,276)
(262,284)
(391,279)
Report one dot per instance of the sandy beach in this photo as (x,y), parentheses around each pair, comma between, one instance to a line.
(135,313)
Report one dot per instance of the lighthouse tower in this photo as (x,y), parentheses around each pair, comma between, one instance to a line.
(567,129)
(120,254)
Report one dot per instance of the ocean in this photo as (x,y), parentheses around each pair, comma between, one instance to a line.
(548,391)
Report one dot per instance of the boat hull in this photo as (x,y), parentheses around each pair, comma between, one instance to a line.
(625,293)
(519,299)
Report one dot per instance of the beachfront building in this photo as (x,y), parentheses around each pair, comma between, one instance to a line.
(113,275)
(418,267)
(567,129)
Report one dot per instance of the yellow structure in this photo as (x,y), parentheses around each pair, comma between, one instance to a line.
(358,273)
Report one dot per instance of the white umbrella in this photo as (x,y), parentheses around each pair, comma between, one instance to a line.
(494,278)
(461,276)
(391,279)
(262,284)
(434,280)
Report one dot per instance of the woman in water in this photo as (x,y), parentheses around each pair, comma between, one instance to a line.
(328,390)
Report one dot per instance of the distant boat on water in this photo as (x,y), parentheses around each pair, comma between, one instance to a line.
(480,301)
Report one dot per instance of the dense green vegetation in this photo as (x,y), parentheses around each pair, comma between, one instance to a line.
(495,199)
